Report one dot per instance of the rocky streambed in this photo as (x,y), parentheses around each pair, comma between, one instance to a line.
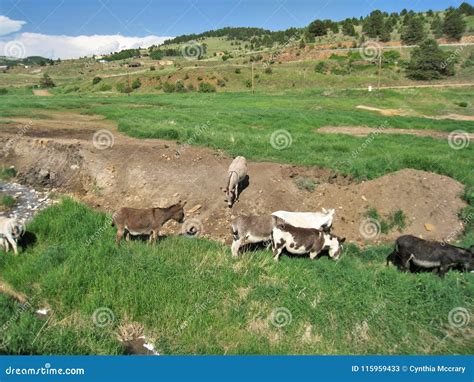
(25,201)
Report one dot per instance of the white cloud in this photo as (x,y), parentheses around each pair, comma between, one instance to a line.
(64,47)
(7,25)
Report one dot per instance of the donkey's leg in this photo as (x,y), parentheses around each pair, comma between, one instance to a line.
(119,236)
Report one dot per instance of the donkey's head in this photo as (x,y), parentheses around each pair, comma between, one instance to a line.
(178,211)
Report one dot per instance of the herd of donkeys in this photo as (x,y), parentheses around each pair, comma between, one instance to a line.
(299,233)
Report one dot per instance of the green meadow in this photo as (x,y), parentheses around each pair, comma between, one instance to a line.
(189,294)
(193,298)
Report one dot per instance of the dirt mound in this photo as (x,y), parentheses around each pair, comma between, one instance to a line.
(363,131)
(148,172)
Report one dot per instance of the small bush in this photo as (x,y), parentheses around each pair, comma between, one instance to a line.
(7,173)
(461,104)
(396,219)
(123,88)
(304,183)
(152,68)
(199,78)
(221,83)
(168,87)
(96,80)
(268,70)
(136,83)
(248,83)
(179,87)
(237,71)
(206,87)
(47,82)
(320,67)
(105,87)
(7,201)
(3,91)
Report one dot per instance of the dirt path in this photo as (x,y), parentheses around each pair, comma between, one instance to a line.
(362,131)
(400,112)
(448,85)
(60,153)
(42,93)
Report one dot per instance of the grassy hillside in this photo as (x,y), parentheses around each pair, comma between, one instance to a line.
(192,297)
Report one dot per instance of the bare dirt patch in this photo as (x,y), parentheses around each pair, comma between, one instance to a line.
(42,93)
(58,153)
(400,112)
(363,131)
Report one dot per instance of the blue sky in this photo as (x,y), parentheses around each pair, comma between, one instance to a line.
(170,18)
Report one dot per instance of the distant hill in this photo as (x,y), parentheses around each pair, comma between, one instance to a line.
(32,60)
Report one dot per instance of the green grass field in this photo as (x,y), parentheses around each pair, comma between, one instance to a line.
(192,297)
(189,294)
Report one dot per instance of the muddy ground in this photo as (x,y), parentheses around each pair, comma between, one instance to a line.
(59,154)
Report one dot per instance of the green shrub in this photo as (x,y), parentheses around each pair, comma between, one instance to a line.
(396,219)
(179,87)
(321,67)
(206,87)
(7,173)
(123,88)
(46,81)
(461,104)
(136,83)
(3,91)
(237,71)
(168,87)
(7,201)
(105,87)
(96,80)
(304,183)
(268,70)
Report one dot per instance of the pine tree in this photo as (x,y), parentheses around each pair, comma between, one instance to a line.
(348,28)
(454,24)
(374,24)
(429,62)
(413,33)
(466,9)
(386,31)
(437,27)
(317,28)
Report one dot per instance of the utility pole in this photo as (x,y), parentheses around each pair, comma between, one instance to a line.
(128,80)
(380,67)
(253,84)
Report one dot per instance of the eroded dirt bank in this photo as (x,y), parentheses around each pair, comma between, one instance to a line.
(59,154)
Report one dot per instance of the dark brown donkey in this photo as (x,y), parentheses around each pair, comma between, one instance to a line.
(146,221)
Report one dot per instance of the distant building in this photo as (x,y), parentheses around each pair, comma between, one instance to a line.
(134,65)
(102,61)
(3,67)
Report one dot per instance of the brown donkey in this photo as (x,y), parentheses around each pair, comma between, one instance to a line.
(146,221)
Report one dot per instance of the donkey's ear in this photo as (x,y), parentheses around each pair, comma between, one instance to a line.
(342,240)
(183,203)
